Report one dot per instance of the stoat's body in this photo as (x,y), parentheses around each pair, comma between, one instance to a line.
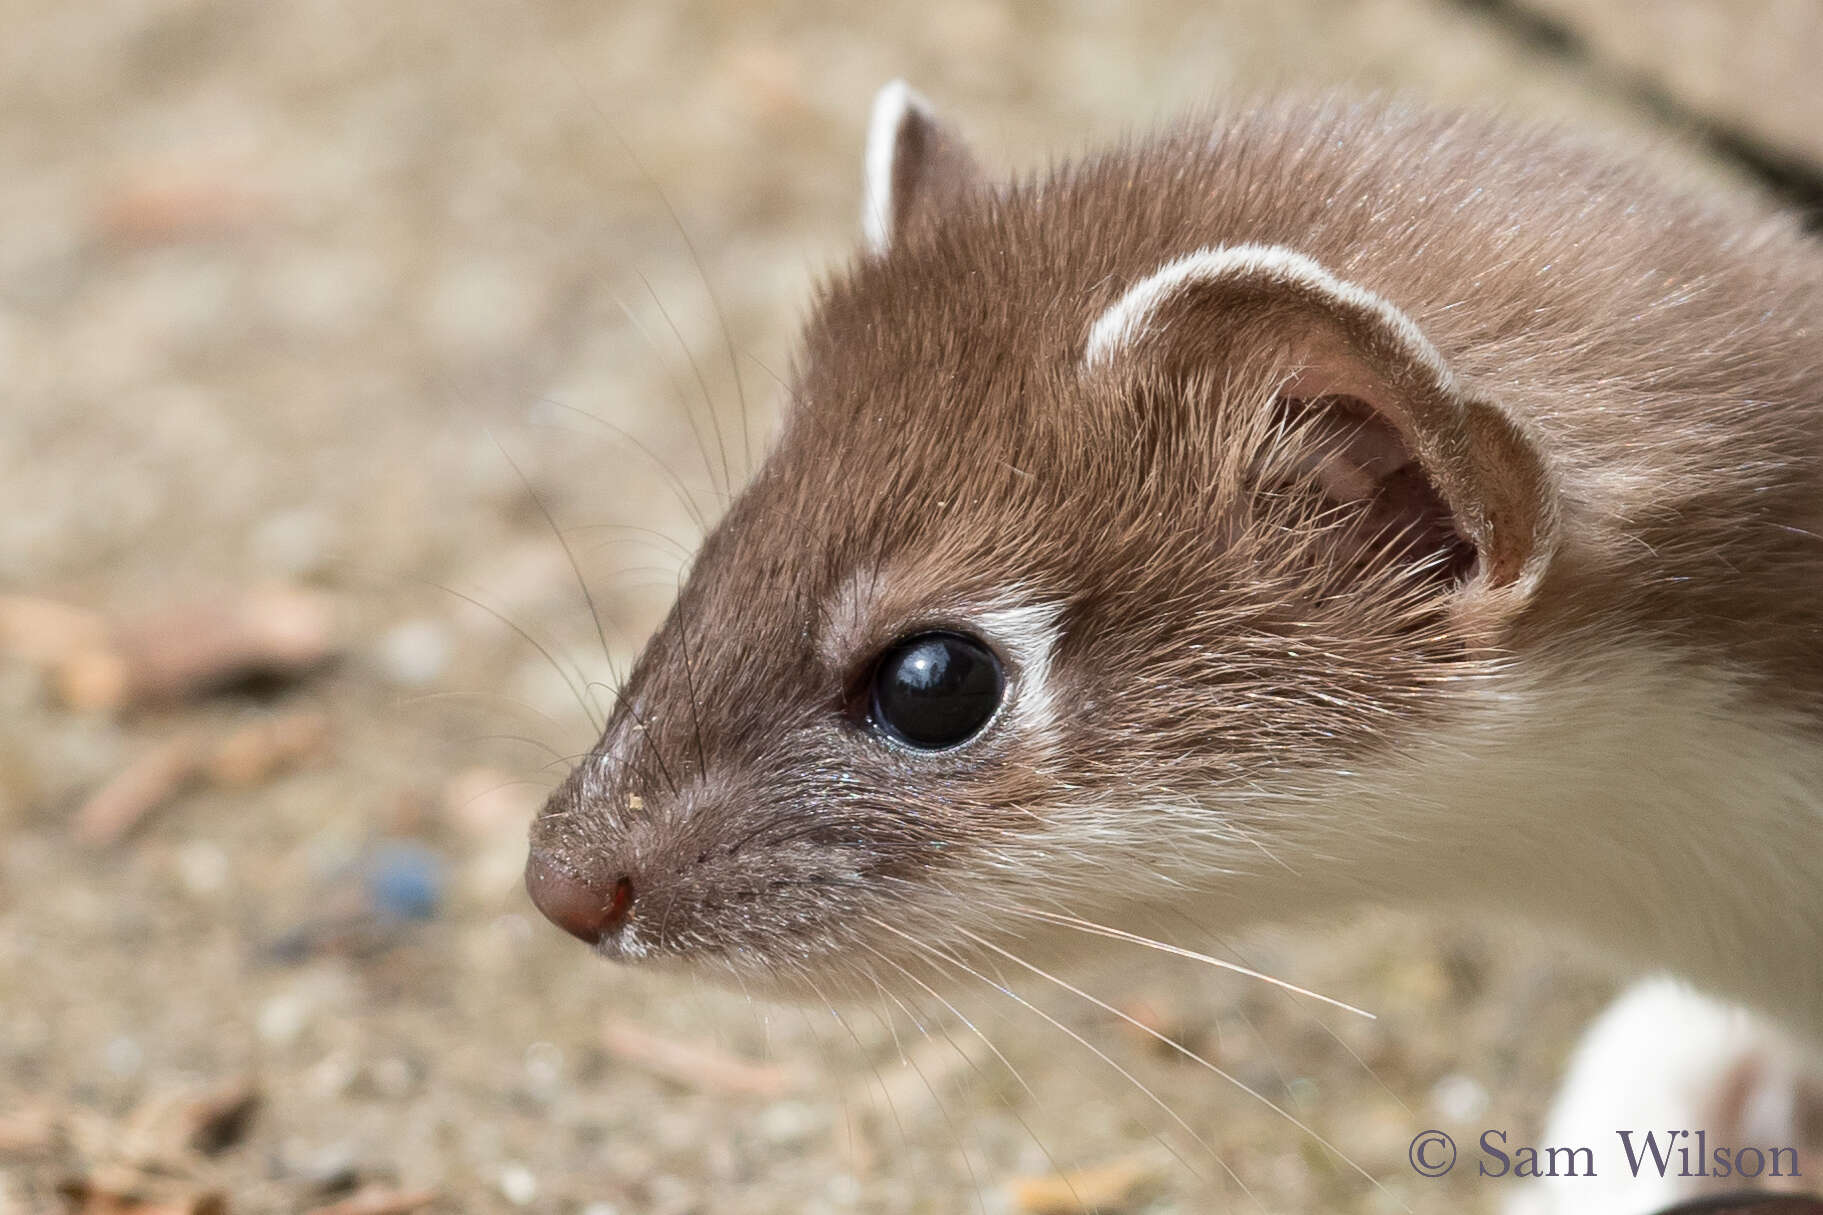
(1310,504)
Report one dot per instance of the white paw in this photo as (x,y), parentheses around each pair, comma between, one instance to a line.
(1665,1059)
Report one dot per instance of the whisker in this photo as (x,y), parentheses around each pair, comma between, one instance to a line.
(645,535)
(589,99)
(569,553)
(511,784)
(815,1030)
(702,275)
(557,757)
(942,1109)
(582,702)
(1187,1053)
(1003,985)
(678,392)
(715,420)
(696,721)
(892,1107)
(1018,1076)
(588,596)
(1366,1067)
(666,575)
(514,701)
(1006,990)
(1103,930)
(673,481)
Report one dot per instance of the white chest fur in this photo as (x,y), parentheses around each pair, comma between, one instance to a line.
(1646,806)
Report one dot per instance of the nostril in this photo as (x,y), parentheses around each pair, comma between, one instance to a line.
(585,910)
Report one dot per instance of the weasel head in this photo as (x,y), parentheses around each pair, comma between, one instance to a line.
(1080,545)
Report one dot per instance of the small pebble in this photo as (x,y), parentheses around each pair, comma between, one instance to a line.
(544,1067)
(405,881)
(1459,1098)
(282,1018)
(123,1057)
(785,1123)
(202,868)
(330,1168)
(518,1185)
(414,654)
(333,1075)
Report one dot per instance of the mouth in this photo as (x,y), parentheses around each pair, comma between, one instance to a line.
(750,933)
(793,918)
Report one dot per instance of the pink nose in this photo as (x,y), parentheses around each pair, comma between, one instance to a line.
(587,912)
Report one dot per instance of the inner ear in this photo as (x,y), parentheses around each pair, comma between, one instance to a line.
(1356,444)
(1351,453)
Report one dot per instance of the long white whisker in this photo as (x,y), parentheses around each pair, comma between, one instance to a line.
(892,1107)
(1102,930)
(1187,1053)
(1018,1077)
(1089,1046)
(1366,1067)
(942,1109)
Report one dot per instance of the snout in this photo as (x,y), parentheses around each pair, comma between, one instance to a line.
(589,911)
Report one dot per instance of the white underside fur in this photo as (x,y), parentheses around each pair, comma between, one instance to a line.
(1632,802)
(1657,813)
(1651,809)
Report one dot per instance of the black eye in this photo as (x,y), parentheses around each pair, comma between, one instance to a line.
(935,690)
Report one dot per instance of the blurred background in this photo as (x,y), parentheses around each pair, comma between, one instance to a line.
(323,327)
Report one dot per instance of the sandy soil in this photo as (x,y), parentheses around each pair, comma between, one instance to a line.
(343,296)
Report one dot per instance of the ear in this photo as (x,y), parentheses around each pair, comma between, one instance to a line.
(1436,469)
(915,165)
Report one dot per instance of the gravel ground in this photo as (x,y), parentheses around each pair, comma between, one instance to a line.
(343,297)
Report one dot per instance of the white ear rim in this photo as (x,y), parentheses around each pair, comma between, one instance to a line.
(1132,316)
(894,105)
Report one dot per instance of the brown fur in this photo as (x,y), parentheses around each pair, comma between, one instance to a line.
(1657,353)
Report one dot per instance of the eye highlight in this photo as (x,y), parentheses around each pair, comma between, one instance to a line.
(933,691)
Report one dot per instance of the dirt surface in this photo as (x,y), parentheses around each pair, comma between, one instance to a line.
(342,298)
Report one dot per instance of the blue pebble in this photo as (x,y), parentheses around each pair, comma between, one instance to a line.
(405,881)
